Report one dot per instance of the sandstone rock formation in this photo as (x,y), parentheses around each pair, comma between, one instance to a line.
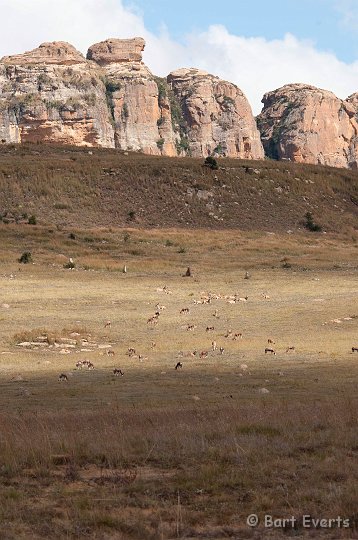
(141,120)
(116,51)
(308,125)
(52,94)
(57,52)
(214,117)
(111,99)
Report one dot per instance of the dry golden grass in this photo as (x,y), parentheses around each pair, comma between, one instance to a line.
(160,453)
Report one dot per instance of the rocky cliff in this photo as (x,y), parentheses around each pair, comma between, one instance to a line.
(308,125)
(111,99)
(214,116)
(52,94)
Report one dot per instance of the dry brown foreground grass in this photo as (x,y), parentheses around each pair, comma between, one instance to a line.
(162,453)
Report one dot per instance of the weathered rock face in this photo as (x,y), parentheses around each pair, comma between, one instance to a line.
(213,116)
(111,99)
(57,52)
(114,51)
(52,94)
(140,118)
(308,125)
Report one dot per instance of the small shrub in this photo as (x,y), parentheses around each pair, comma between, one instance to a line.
(310,224)
(160,143)
(72,236)
(126,237)
(182,250)
(169,243)
(32,220)
(211,162)
(25,258)
(131,215)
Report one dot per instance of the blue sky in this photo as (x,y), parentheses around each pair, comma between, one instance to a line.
(260,45)
(328,23)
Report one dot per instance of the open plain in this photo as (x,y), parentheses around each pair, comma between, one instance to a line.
(177,453)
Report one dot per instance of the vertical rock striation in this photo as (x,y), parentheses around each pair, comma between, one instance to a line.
(308,125)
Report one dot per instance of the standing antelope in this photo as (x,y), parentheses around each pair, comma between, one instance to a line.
(213,345)
(221,350)
(267,350)
(237,336)
(108,324)
(63,377)
(178,365)
(117,372)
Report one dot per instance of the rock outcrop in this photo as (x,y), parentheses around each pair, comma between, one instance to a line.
(309,125)
(141,120)
(213,116)
(53,94)
(111,99)
(114,51)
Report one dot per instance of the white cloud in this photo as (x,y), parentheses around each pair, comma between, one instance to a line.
(256,65)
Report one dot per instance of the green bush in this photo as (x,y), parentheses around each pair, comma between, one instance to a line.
(32,220)
(310,224)
(25,258)
(211,162)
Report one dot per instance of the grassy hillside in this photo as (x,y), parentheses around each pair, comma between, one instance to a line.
(77,187)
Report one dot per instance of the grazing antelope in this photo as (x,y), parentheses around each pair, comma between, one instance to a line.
(354,349)
(110,353)
(153,344)
(131,351)
(190,327)
(237,336)
(204,354)
(228,334)
(244,299)
(152,320)
(267,350)
(265,296)
(184,310)
(271,341)
(178,365)
(209,328)
(290,349)
(90,365)
(216,314)
(221,350)
(108,324)
(117,372)
(63,377)
(213,345)
(85,362)
(79,364)
(159,307)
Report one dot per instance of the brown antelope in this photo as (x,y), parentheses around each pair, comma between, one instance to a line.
(153,345)
(237,336)
(131,351)
(209,328)
(221,350)
(228,333)
(90,365)
(290,349)
(79,364)
(178,365)
(184,310)
(110,353)
(271,341)
(216,314)
(204,354)
(152,320)
(63,377)
(190,327)
(213,345)
(354,349)
(267,350)
(117,372)
(108,324)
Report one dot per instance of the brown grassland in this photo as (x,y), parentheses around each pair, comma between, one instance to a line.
(161,453)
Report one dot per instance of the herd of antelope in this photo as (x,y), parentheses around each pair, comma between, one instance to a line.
(153,320)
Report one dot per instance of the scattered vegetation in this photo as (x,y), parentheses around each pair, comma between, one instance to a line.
(211,163)
(310,224)
(25,258)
